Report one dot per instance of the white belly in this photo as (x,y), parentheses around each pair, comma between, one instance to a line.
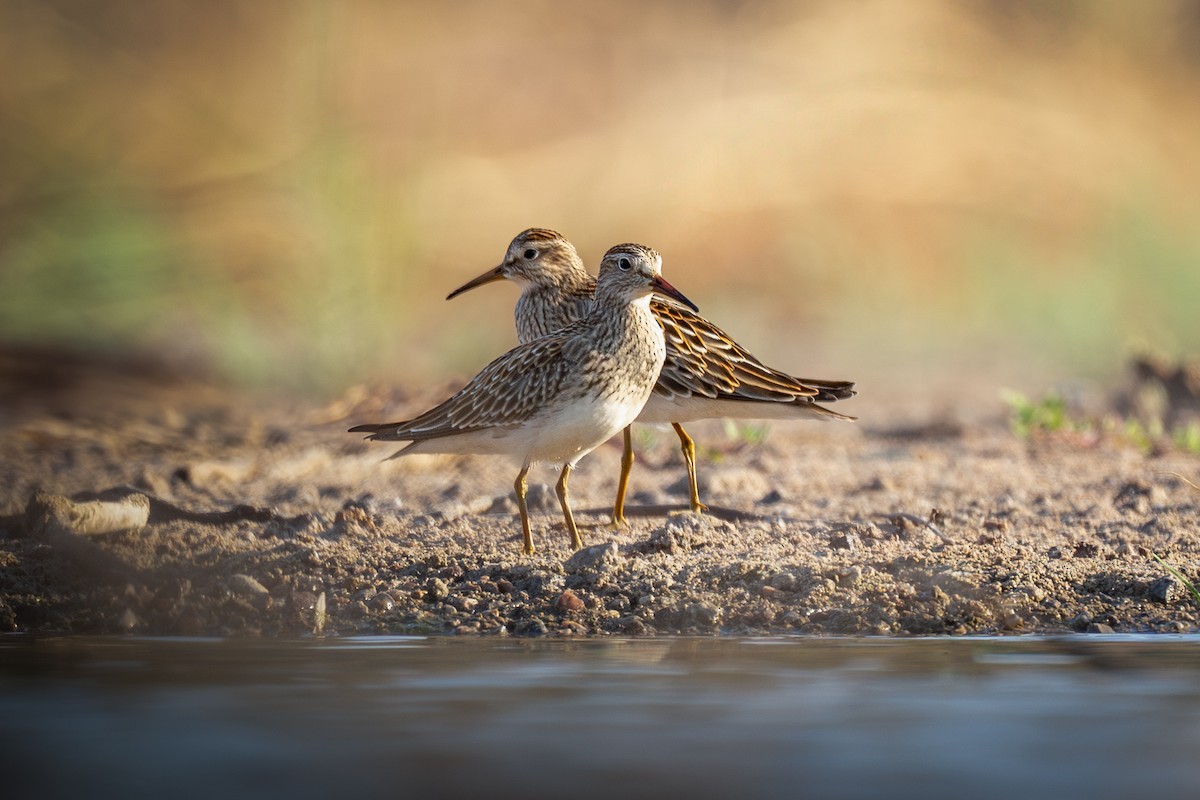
(660,409)
(573,431)
(559,435)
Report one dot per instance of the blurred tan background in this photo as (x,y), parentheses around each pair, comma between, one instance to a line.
(283,193)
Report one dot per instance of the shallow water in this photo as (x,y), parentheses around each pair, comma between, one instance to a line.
(1082,716)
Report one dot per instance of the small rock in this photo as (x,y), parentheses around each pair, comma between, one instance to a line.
(1165,590)
(1080,622)
(1034,593)
(569,603)
(1099,627)
(352,514)
(1054,552)
(1010,620)
(570,627)
(298,609)
(793,619)
(783,581)
(632,624)
(599,557)
(620,604)
(461,603)
(381,602)
(845,541)
(538,585)
(771,497)
(876,484)
(1138,496)
(530,627)
(662,540)
(246,586)
(849,577)
(436,590)
(703,615)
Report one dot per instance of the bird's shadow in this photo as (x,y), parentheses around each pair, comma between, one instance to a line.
(673,510)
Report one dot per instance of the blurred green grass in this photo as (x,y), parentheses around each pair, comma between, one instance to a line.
(285,195)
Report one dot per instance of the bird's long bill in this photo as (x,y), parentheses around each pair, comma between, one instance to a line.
(493,274)
(662,287)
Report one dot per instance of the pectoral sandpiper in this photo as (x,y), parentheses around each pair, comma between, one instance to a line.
(558,397)
(706,374)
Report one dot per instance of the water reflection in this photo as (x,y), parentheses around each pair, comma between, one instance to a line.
(590,718)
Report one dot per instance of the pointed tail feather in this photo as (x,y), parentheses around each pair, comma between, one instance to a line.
(382,431)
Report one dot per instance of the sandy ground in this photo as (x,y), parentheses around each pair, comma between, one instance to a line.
(908,522)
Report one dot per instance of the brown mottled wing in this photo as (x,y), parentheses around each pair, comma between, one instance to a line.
(506,392)
(702,360)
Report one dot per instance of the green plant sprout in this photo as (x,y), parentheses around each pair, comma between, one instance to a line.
(1179,576)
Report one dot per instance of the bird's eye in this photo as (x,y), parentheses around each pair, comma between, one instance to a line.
(530,254)
(624,263)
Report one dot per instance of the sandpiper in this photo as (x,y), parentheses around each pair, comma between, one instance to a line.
(706,374)
(558,397)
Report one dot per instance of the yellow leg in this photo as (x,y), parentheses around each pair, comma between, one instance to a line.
(689,456)
(521,486)
(618,518)
(576,542)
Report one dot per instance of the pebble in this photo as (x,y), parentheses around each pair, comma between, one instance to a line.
(783,581)
(436,590)
(662,540)
(620,603)
(568,603)
(598,557)
(849,577)
(1099,627)
(461,603)
(1010,620)
(531,627)
(1165,590)
(381,602)
(704,615)
(845,541)
(246,586)
(1034,593)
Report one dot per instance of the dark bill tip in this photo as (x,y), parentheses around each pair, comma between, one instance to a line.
(493,274)
(662,287)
